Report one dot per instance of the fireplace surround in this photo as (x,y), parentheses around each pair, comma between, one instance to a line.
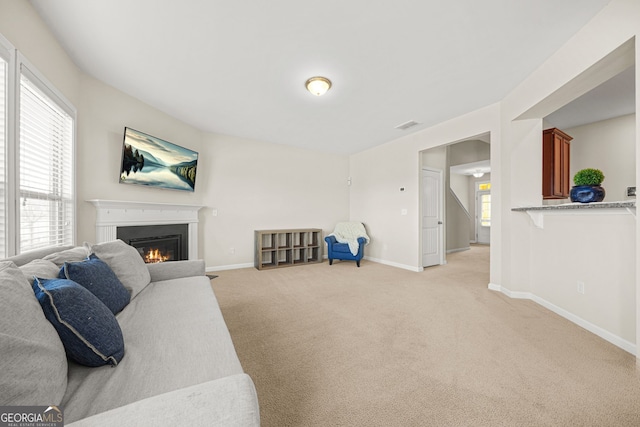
(113,215)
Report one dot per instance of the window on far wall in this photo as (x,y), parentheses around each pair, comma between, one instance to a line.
(485,210)
(38,203)
(483,189)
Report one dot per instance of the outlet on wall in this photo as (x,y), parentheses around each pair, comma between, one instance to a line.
(581,288)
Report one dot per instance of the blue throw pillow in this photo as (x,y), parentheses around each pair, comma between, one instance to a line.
(88,330)
(95,275)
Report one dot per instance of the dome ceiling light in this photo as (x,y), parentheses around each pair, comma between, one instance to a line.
(318,85)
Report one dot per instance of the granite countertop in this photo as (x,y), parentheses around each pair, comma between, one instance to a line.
(594,205)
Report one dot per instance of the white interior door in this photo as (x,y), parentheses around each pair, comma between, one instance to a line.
(483,217)
(432,227)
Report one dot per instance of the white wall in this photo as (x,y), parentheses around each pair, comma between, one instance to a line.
(597,250)
(22,26)
(457,223)
(460,185)
(469,152)
(255,185)
(610,146)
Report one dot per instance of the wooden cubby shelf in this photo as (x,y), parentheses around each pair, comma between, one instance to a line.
(284,248)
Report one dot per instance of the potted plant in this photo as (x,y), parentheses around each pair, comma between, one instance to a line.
(587,186)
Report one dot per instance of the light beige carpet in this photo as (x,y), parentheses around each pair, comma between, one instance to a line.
(380,346)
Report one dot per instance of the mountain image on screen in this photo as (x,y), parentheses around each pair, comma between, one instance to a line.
(150,161)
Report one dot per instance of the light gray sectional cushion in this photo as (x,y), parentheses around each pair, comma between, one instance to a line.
(175,269)
(78,253)
(175,337)
(29,256)
(126,262)
(227,402)
(33,364)
(40,268)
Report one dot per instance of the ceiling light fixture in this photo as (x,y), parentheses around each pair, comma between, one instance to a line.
(318,85)
(478,174)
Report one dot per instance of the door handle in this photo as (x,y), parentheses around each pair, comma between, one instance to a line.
(439,222)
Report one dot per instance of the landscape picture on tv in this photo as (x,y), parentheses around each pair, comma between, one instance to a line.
(151,161)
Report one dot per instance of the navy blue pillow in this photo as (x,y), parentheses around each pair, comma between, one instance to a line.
(95,275)
(88,330)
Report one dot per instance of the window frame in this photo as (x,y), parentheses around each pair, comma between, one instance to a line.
(9,53)
(18,65)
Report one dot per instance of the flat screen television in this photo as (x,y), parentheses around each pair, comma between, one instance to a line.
(154,162)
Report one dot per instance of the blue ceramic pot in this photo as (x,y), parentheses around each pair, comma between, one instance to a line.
(587,193)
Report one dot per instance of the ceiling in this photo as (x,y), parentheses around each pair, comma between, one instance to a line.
(483,166)
(613,98)
(239,67)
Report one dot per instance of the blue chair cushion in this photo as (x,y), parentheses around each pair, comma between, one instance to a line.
(97,277)
(89,331)
(341,247)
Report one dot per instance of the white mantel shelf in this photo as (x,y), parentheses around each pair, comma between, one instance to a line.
(537,213)
(111,214)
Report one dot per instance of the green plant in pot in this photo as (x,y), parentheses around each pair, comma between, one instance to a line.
(587,186)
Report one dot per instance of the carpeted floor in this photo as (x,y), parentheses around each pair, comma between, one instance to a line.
(380,346)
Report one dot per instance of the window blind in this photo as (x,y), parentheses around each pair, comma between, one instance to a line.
(46,187)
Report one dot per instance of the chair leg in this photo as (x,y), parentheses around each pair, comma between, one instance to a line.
(358,263)
(330,261)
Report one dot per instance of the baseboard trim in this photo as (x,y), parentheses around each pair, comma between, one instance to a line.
(380,261)
(394,264)
(595,329)
(228,267)
(450,251)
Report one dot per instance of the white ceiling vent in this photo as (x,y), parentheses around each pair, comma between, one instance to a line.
(407,125)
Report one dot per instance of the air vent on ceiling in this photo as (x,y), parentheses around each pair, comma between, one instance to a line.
(407,125)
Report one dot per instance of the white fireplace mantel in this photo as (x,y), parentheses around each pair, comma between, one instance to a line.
(111,214)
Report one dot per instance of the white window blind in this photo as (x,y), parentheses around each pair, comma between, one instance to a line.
(46,204)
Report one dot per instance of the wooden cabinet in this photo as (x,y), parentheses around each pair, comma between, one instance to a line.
(284,248)
(556,182)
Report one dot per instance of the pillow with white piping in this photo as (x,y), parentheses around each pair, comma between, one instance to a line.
(95,275)
(89,331)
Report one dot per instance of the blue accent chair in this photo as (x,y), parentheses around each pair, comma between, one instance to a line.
(341,251)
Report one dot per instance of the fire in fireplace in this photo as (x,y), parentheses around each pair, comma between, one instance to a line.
(156,255)
(157,243)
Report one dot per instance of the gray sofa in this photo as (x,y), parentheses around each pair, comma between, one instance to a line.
(179,366)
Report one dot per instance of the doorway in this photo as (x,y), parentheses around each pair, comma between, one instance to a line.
(462,166)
